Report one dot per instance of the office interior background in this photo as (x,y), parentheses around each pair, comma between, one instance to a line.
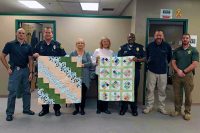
(114,19)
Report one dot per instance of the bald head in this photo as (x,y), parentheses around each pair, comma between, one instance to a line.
(21,35)
(159,37)
(131,38)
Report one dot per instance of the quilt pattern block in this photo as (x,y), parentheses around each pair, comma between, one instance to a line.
(116,79)
(59,80)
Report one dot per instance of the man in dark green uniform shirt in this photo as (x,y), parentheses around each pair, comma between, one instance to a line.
(185,60)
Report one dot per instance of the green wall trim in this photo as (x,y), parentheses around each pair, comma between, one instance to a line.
(66,15)
(185,30)
(18,21)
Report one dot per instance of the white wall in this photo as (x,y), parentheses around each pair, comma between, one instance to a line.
(68,29)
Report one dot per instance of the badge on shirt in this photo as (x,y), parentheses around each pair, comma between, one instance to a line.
(125,52)
(189,51)
(137,49)
(61,47)
(54,46)
(41,48)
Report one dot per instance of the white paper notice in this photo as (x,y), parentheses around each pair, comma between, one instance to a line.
(193,41)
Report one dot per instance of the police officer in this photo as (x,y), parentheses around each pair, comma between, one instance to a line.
(20,57)
(132,49)
(49,47)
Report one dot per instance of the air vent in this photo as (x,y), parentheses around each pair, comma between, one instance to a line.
(108,9)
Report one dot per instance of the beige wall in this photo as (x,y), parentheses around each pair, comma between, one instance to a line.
(151,9)
(131,11)
(67,30)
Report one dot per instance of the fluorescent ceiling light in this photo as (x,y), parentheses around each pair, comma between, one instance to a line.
(90,6)
(32,4)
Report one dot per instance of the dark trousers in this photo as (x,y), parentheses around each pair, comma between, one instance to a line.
(124,104)
(56,107)
(17,77)
(83,98)
(101,105)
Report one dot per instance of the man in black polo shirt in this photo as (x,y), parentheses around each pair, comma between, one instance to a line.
(20,56)
(49,47)
(158,55)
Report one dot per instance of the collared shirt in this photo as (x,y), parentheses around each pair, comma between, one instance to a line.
(102,53)
(86,60)
(158,57)
(184,57)
(18,53)
(135,49)
(53,49)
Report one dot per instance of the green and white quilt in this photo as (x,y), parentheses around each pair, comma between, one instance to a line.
(116,79)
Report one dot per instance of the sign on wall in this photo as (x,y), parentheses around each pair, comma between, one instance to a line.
(193,41)
(166,13)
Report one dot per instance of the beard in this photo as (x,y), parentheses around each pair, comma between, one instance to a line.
(185,43)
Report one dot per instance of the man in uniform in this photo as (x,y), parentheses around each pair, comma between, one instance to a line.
(185,60)
(132,49)
(20,57)
(49,47)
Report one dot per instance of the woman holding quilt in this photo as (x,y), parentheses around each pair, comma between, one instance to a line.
(103,51)
(84,61)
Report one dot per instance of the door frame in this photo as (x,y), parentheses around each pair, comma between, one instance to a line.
(18,21)
(148,21)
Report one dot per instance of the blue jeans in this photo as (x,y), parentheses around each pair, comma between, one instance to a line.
(17,77)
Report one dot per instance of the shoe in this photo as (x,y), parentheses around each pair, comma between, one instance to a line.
(9,118)
(134,113)
(122,112)
(29,112)
(57,113)
(163,111)
(107,112)
(174,114)
(75,112)
(147,110)
(42,113)
(187,116)
(82,112)
(98,112)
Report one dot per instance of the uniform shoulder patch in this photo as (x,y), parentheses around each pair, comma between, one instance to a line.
(61,46)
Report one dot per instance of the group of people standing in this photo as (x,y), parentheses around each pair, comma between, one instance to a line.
(158,56)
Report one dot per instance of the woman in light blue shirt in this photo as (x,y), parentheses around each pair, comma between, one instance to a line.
(85,62)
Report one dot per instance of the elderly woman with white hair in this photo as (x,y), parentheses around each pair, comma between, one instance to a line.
(85,63)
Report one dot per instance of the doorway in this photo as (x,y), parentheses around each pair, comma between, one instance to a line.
(173,30)
(34,34)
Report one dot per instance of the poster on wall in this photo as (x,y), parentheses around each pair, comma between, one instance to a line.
(193,41)
(59,80)
(116,79)
(166,13)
